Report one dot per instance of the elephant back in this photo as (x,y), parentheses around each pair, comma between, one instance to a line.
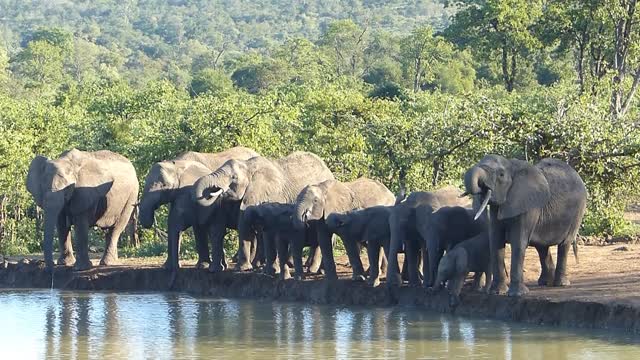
(368,193)
(303,168)
(215,160)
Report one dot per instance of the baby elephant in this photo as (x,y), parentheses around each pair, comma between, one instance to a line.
(274,221)
(471,255)
(370,227)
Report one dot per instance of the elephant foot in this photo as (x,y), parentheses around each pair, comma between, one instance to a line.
(203,264)
(66,260)
(298,277)
(415,283)
(394,280)
(373,282)
(545,280)
(517,290)
(82,265)
(213,268)
(246,266)
(561,281)
(358,277)
(109,260)
(170,265)
(498,288)
(331,277)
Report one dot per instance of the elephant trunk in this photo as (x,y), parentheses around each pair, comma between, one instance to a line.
(208,189)
(146,211)
(475,184)
(51,214)
(301,216)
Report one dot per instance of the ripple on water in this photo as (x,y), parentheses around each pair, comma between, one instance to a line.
(81,325)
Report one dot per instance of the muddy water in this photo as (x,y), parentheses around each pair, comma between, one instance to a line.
(67,325)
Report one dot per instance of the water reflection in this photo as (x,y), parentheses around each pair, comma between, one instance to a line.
(60,325)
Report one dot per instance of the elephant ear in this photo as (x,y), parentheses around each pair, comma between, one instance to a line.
(93,182)
(339,198)
(529,190)
(266,185)
(34,178)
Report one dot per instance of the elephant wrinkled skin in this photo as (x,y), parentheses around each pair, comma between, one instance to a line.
(170,182)
(83,189)
(316,202)
(540,205)
(406,230)
(259,180)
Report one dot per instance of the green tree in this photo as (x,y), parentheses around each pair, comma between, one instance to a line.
(210,81)
(346,41)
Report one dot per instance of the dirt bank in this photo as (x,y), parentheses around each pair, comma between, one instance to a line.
(605,292)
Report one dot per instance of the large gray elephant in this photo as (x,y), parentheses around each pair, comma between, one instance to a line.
(406,232)
(255,181)
(83,189)
(170,182)
(275,222)
(540,205)
(444,229)
(316,202)
(368,226)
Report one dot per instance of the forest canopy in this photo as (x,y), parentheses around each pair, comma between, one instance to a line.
(407,92)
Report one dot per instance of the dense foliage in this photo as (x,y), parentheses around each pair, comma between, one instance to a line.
(363,84)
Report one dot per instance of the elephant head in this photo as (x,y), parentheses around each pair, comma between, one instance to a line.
(160,187)
(163,182)
(317,201)
(231,180)
(514,186)
(61,184)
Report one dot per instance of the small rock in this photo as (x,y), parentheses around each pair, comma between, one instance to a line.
(621,248)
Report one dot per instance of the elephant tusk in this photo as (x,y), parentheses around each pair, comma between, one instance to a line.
(484,205)
(215,193)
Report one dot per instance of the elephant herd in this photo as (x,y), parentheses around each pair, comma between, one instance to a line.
(280,206)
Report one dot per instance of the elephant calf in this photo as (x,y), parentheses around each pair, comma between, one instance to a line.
(368,227)
(471,255)
(274,221)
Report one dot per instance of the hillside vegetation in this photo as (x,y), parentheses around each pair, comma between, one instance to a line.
(410,93)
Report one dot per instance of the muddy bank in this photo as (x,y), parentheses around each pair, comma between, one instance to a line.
(541,307)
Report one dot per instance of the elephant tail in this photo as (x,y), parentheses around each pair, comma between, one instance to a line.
(574,245)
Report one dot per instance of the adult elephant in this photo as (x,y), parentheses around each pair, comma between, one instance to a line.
(444,229)
(83,189)
(540,205)
(316,202)
(170,182)
(406,230)
(255,181)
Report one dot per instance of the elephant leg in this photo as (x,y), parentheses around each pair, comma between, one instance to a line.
(315,254)
(174,225)
(561,278)
(218,261)
(546,265)
(519,233)
(296,250)
(268,241)
(257,251)
(383,263)
(353,252)
(202,246)
(326,246)
(454,286)
(110,256)
(373,252)
(434,254)
(246,236)
(477,281)
(82,244)
(398,234)
(282,245)
(496,253)
(64,238)
(411,257)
